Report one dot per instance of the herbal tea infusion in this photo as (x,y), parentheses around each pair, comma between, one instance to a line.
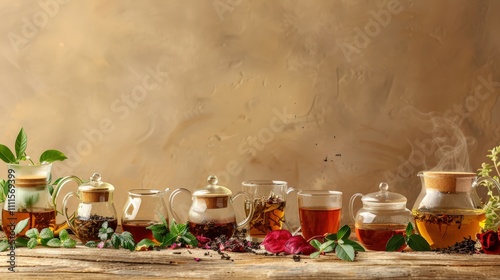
(268,215)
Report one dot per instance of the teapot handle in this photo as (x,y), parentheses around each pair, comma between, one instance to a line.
(65,210)
(250,212)
(351,205)
(61,183)
(171,200)
(487,179)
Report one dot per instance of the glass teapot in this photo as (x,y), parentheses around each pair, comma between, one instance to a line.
(95,207)
(448,208)
(211,213)
(30,196)
(383,215)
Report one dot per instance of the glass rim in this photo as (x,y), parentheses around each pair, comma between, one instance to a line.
(29,165)
(143,192)
(317,193)
(262,183)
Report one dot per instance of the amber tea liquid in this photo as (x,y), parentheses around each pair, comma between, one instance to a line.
(267,216)
(212,230)
(375,237)
(318,221)
(139,230)
(39,219)
(442,230)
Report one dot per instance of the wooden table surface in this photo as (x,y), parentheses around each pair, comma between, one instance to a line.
(92,263)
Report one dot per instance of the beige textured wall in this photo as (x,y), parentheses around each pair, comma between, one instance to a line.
(323,94)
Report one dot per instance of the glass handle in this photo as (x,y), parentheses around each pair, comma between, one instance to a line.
(171,203)
(351,206)
(65,210)
(250,212)
(61,183)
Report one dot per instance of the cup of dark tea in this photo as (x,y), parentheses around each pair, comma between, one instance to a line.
(320,212)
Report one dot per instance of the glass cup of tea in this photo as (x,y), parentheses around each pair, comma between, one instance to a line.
(319,212)
(268,198)
(144,208)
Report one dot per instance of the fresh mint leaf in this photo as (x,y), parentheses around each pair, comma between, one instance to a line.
(315,243)
(315,255)
(21,144)
(47,233)
(145,244)
(4,245)
(91,244)
(115,241)
(54,242)
(51,156)
(174,229)
(345,252)
(6,154)
(32,243)
(325,245)
(418,243)
(63,235)
(69,243)
(127,241)
(32,233)
(409,229)
(159,231)
(395,242)
(344,232)
(332,236)
(21,225)
(355,245)
(169,239)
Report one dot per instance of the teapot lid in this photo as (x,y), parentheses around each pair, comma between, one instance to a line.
(96,185)
(212,189)
(384,198)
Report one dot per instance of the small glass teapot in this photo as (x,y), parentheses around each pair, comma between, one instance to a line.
(95,207)
(211,213)
(383,215)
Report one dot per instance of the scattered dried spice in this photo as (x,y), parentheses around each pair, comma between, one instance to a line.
(467,246)
(87,229)
(296,258)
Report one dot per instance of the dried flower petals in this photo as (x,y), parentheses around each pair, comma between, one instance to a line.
(490,242)
(298,245)
(275,241)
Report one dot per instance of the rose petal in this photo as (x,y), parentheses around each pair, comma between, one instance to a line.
(490,242)
(298,245)
(275,240)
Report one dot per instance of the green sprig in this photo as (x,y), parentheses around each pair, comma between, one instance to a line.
(492,206)
(339,242)
(410,238)
(111,239)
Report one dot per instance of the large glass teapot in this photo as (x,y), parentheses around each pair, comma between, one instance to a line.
(448,208)
(211,213)
(95,207)
(383,215)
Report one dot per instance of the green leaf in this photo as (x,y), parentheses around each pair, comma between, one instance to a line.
(315,243)
(22,242)
(32,243)
(54,242)
(332,236)
(409,229)
(32,233)
(51,156)
(91,244)
(69,243)
(145,244)
(418,243)
(6,154)
(345,252)
(159,231)
(128,244)
(395,242)
(325,245)
(47,233)
(4,245)
(63,235)
(193,241)
(21,144)
(314,255)
(355,245)
(21,225)
(115,241)
(174,229)
(344,232)
(169,239)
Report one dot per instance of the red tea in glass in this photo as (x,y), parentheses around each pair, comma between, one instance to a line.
(375,237)
(318,221)
(139,230)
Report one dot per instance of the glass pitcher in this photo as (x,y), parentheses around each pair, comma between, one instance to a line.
(448,208)
(95,207)
(29,197)
(383,215)
(144,207)
(211,213)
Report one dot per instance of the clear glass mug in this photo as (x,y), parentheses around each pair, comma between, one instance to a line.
(268,198)
(144,207)
(320,212)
